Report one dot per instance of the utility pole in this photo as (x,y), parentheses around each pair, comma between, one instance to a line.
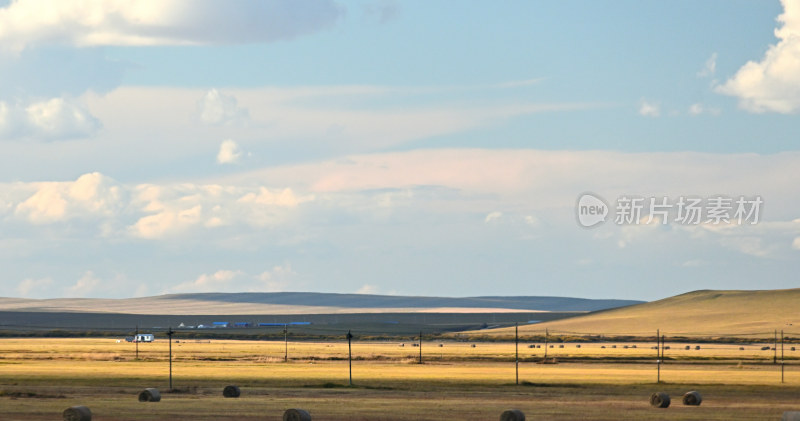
(285,343)
(420,347)
(170,332)
(516,348)
(782,356)
(136,340)
(658,354)
(350,355)
(775,348)
(546,338)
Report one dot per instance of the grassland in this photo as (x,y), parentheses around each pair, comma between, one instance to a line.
(701,313)
(39,378)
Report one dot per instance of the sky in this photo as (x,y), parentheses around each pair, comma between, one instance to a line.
(397,147)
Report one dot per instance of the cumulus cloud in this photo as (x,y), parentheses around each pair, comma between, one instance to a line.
(53,119)
(210,282)
(649,109)
(279,278)
(90,195)
(772,84)
(219,109)
(172,210)
(24,23)
(34,288)
(84,286)
(229,152)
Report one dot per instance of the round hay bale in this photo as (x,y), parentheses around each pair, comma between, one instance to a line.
(512,415)
(231,391)
(151,394)
(578,346)
(659,400)
(77,413)
(688,347)
(692,398)
(473,345)
(697,348)
(296,415)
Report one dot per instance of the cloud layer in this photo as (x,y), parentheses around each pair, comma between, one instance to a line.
(26,23)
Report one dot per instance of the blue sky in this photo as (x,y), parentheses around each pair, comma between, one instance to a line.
(414,147)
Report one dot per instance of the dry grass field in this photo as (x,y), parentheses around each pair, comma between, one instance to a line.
(39,378)
(704,313)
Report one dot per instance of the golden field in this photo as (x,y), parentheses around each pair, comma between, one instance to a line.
(39,378)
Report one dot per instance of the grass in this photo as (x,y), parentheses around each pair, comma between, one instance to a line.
(700,313)
(45,376)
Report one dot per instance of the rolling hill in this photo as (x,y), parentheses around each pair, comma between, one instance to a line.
(705,312)
(306,303)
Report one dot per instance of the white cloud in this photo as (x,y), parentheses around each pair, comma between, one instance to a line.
(773,84)
(219,109)
(279,278)
(229,152)
(796,243)
(91,195)
(649,109)
(220,280)
(34,288)
(710,67)
(367,289)
(698,109)
(87,284)
(53,119)
(493,216)
(24,23)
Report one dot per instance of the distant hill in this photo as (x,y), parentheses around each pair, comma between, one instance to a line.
(706,312)
(307,303)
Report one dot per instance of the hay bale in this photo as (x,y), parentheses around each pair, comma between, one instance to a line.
(659,400)
(578,346)
(77,413)
(561,346)
(151,394)
(692,398)
(688,347)
(231,391)
(697,348)
(473,345)
(792,348)
(296,415)
(512,415)
(741,348)
(791,416)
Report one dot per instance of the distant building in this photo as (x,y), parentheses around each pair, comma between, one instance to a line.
(144,337)
(221,324)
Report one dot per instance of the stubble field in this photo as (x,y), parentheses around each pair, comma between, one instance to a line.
(39,378)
